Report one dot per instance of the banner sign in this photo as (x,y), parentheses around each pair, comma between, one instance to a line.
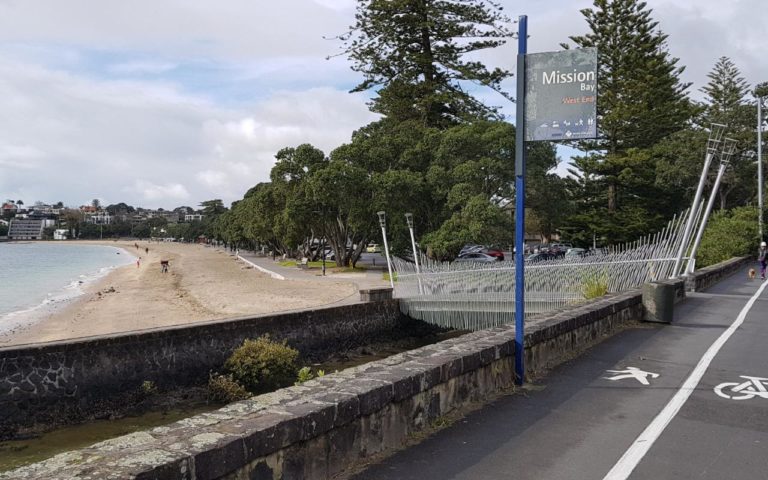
(561,95)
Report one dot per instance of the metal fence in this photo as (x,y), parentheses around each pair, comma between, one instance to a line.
(475,296)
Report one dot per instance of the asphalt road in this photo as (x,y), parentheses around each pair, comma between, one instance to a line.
(577,423)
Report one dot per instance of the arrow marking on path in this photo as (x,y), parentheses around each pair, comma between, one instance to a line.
(632,372)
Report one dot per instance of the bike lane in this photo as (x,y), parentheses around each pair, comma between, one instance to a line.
(579,420)
(721,432)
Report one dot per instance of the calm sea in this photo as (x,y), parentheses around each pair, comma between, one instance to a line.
(33,275)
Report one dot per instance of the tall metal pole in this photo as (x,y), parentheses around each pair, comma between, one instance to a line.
(760,166)
(383,224)
(725,156)
(522,49)
(692,258)
(409,219)
(715,135)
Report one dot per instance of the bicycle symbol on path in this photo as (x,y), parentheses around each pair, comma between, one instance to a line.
(753,387)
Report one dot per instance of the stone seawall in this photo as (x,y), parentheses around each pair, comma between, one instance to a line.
(65,382)
(708,276)
(325,426)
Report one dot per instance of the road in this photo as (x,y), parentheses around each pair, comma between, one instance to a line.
(581,420)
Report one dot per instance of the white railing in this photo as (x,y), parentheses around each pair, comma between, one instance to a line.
(481,295)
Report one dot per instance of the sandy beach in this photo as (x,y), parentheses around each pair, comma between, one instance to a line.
(203,283)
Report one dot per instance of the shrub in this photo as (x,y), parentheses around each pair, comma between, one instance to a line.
(148,387)
(224,389)
(594,284)
(728,234)
(263,365)
(305,375)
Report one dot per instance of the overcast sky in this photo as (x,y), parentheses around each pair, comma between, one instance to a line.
(169,103)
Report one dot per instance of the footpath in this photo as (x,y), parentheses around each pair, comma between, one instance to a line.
(372,277)
(686,400)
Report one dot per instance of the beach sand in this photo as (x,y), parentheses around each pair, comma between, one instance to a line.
(203,283)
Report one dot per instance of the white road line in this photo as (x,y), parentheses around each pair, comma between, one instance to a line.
(645,441)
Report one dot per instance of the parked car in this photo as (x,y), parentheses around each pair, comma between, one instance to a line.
(477,257)
(575,252)
(373,248)
(539,257)
(493,251)
(470,248)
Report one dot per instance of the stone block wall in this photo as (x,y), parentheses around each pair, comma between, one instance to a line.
(325,426)
(708,276)
(65,382)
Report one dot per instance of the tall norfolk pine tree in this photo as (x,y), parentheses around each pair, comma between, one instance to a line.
(642,101)
(413,51)
(727,102)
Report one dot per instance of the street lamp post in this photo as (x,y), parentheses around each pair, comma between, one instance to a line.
(725,156)
(383,223)
(713,144)
(409,219)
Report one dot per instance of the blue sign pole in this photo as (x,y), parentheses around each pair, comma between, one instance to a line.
(522,48)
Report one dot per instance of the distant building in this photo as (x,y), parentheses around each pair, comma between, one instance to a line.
(192,217)
(60,234)
(28,228)
(42,209)
(9,209)
(99,218)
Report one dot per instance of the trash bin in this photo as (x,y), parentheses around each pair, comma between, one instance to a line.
(659,301)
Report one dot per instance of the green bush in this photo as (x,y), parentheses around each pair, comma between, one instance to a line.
(305,375)
(263,365)
(594,285)
(729,233)
(148,387)
(224,389)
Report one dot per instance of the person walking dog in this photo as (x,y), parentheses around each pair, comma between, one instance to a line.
(762,257)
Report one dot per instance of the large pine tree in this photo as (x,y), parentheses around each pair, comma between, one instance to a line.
(413,52)
(727,103)
(641,101)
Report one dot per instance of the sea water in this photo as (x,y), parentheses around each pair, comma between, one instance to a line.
(34,275)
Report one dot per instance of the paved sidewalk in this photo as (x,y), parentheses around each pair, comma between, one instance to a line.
(371,278)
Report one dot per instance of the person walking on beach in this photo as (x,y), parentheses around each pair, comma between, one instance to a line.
(762,257)
(146,250)
(138,262)
(164,266)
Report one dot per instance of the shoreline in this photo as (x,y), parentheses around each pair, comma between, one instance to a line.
(204,283)
(61,298)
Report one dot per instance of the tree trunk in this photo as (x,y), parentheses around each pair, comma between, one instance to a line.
(611,197)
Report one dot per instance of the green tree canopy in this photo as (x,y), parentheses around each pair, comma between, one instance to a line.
(415,52)
(642,102)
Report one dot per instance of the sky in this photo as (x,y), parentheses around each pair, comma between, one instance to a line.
(163,104)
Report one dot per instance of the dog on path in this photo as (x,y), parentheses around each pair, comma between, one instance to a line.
(752,273)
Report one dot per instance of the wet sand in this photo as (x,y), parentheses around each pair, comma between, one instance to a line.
(203,283)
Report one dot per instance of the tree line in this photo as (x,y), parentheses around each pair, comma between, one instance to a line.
(440,152)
